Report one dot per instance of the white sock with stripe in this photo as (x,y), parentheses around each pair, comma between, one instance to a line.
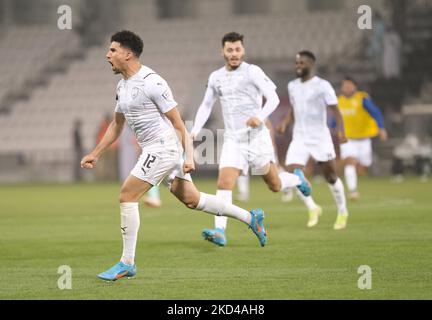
(130,222)
(214,205)
(225,196)
(338,191)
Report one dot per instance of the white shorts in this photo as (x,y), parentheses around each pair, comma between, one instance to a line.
(160,159)
(300,151)
(360,149)
(253,148)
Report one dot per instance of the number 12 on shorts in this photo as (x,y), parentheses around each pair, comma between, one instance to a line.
(148,162)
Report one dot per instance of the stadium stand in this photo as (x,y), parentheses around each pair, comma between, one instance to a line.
(38,129)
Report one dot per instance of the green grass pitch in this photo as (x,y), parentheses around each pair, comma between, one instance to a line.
(45,226)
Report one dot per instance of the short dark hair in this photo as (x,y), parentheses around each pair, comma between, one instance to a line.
(307,54)
(351,79)
(232,37)
(129,40)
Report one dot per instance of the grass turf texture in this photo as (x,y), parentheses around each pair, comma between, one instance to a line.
(45,226)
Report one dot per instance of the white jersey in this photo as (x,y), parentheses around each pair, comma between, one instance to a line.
(240,92)
(143,99)
(309,101)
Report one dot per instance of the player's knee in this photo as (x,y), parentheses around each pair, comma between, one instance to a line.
(275,187)
(125,196)
(224,184)
(331,178)
(190,203)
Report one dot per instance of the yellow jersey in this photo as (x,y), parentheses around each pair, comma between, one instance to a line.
(359,124)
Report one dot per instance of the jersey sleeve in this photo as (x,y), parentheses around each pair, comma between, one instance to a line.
(205,108)
(330,97)
(260,80)
(374,111)
(160,93)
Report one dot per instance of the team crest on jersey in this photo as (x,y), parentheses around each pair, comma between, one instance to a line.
(135,92)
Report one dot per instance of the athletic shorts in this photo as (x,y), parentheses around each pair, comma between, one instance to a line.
(360,149)
(252,148)
(159,160)
(300,150)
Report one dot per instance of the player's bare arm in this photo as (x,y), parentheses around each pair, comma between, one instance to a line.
(113,132)
(339,122)
(174,116)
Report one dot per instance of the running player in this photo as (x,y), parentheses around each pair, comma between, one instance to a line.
(310,96)
(240,87)
(145,101)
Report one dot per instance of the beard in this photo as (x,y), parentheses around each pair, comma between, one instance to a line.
(303,73)
(234,64)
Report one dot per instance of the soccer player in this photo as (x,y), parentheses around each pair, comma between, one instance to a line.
(310,96)
(240,87)
(145,101)
(363,120)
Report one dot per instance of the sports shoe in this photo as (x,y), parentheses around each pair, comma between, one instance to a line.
(118,271)
(257,226)
(216,236)
(341,221)
(314,216)
(305,187)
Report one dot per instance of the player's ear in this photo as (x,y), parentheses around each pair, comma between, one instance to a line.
(129,55)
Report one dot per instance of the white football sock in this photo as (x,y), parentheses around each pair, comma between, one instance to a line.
(242,185)
(308,201)
(338,191)
(214,205)
(288,180)
(351,177)
(130,222)
(225,196)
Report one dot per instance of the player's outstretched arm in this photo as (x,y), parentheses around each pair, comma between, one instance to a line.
(113,132)
(174,116)
(377,115)
(339,122)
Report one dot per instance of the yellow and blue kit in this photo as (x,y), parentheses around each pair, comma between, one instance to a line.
(362,118)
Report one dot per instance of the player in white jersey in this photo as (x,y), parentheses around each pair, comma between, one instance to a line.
(310,96)
(240,87)
(145,101)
